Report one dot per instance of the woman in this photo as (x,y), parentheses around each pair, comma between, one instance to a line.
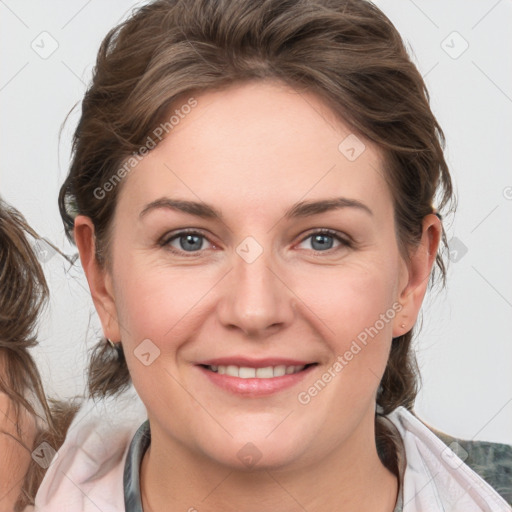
(31,427)
(254,194)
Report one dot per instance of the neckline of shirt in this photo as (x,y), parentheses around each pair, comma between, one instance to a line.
(138,446)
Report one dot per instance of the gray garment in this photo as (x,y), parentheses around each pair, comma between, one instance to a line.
(492,461)
(131,483)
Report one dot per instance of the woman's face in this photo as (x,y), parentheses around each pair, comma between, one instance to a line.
(240,276)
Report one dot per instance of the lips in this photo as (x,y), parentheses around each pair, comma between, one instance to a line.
(255,377)
(254,363)
(247,372)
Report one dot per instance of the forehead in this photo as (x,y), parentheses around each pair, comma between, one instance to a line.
(259,143)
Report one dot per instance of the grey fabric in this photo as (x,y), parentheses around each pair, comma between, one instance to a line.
(131,482)
(492,461)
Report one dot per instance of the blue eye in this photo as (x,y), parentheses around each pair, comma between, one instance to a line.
(188,241)
(193,242)
(323,240)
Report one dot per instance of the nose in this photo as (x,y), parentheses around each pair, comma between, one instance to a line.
(255,297)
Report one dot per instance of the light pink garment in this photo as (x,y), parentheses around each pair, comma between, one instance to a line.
(87,474)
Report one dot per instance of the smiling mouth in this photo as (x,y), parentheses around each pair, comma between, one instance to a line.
(246,372)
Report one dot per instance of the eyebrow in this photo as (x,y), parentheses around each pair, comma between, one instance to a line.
(301,209)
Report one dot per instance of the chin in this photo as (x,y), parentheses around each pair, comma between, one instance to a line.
(253,448)
(252,457)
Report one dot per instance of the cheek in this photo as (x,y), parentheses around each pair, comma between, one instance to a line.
(355,309)
(352,299)
(155,307)
(157,302)
(165,303)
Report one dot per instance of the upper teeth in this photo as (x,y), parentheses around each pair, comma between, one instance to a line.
(245,372)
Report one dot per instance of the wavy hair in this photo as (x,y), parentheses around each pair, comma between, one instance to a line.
(347,52)
(23,296)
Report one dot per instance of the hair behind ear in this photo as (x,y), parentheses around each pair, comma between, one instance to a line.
(108,373)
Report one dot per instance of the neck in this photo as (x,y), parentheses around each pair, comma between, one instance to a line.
(351,478)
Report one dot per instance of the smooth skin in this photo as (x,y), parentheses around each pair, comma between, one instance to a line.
(252,151)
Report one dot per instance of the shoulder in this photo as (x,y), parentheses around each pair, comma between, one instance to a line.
(492,461)
(87,471)
(439,473)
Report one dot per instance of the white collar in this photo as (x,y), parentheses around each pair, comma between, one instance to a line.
(435,479)
(87,472)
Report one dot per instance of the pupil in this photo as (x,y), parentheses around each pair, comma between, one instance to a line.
(190,243)
(194,242)
(321,240)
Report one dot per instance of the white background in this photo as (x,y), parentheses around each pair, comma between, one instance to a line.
(465,346)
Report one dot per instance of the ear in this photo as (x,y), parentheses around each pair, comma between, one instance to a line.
(416,276)
(99,279)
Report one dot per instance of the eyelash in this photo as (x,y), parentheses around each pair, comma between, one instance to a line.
(345,242)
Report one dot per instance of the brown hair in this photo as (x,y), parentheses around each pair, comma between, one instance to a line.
(23,294)
(347,52)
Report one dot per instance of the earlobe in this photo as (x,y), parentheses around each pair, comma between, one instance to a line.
(100,281)
(418,270)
